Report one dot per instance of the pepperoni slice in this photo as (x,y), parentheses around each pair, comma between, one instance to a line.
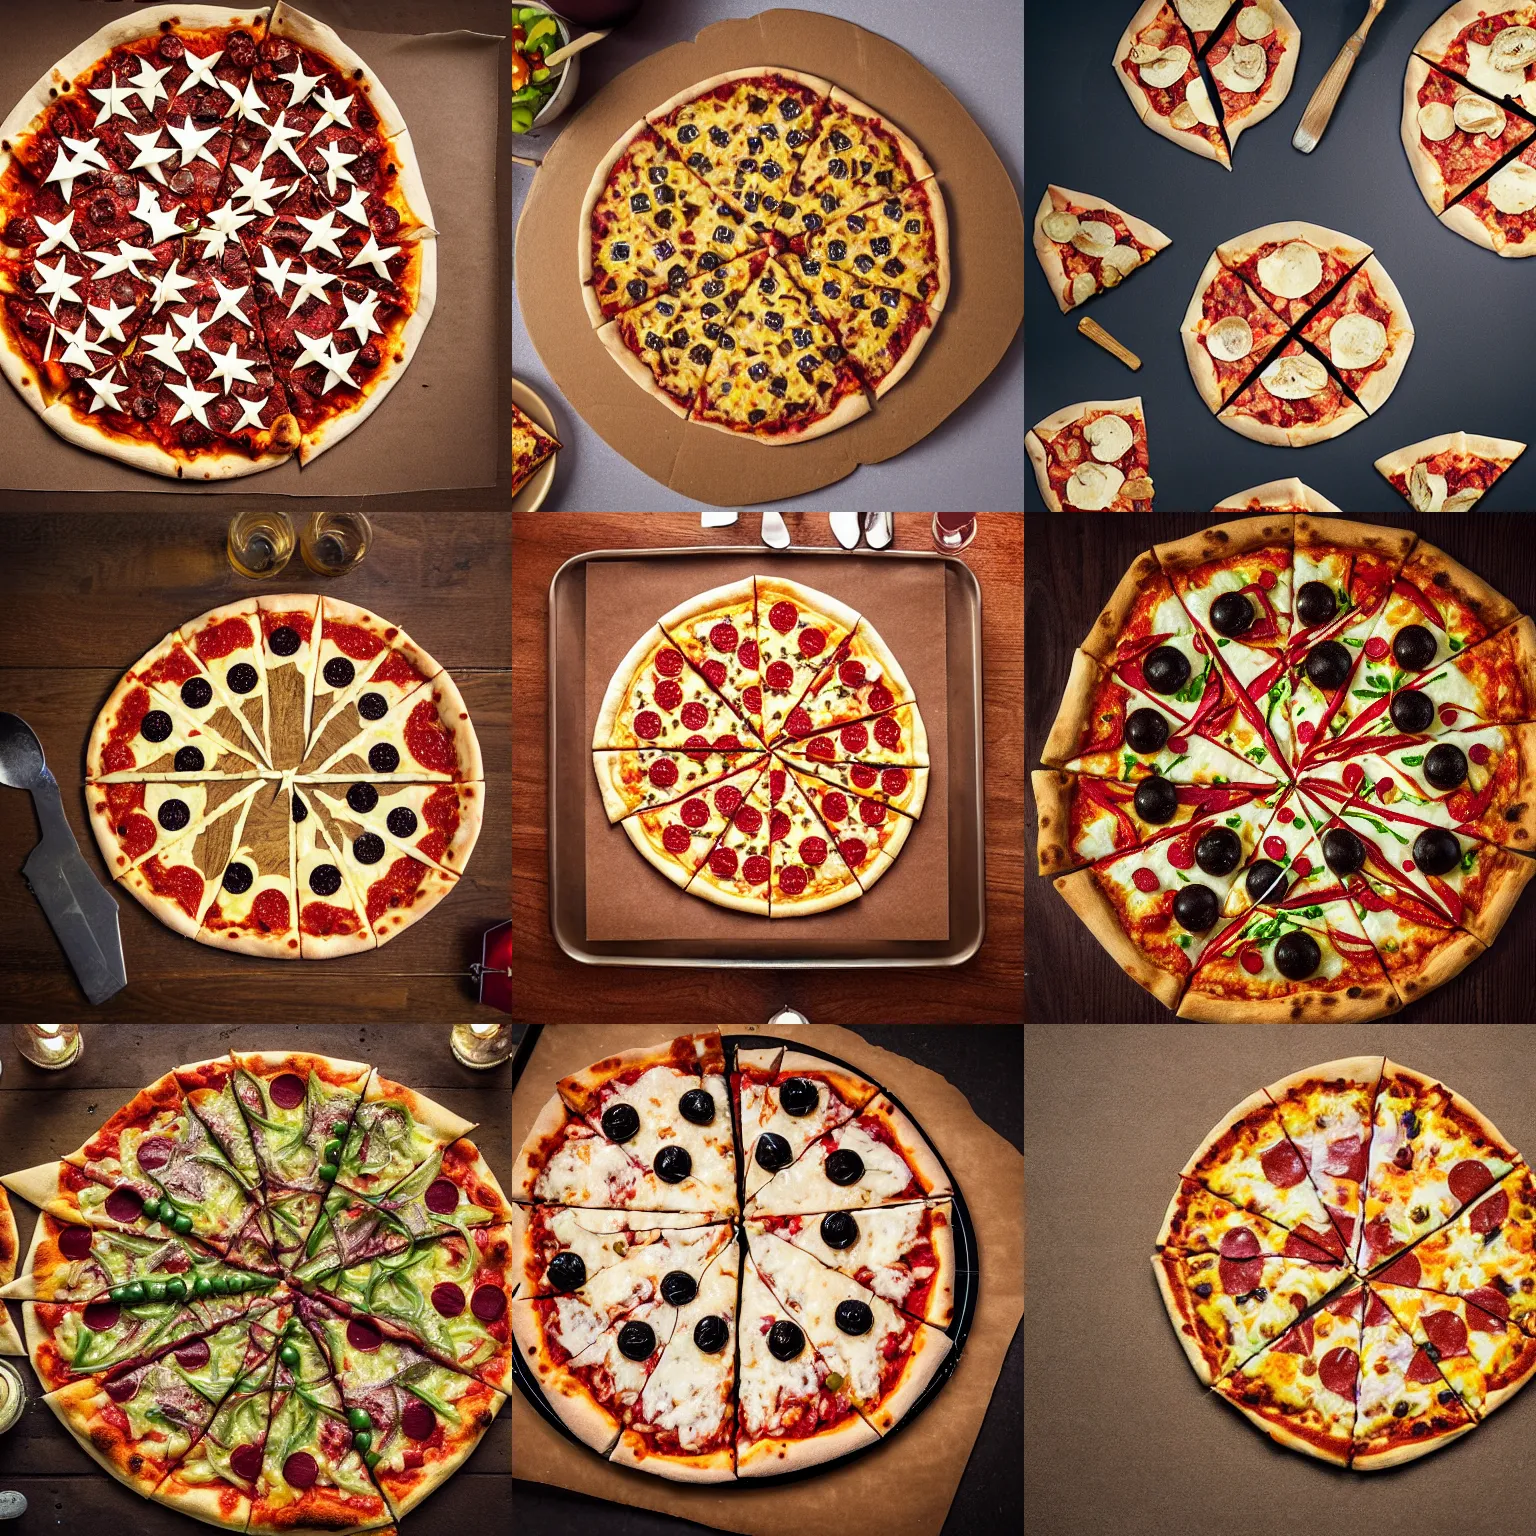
(669,694)
(880,697)
(1250,959)
(747,655)
(779,675)
(853,739)
(894,781)
(753,698)
(756,870)
(1239,1243)
(663,774)
(675,839)
(1347,1158)
(1376,647)
(723,637)
(1422,1369)
(851,673)
(75,1242)
(1446,1332)
(863,776)
(442,1197)
(669,662)
(749,820)
(792,880)
(287,1090)
(1377,1238)
(193,1356)
(1375,1311)
(125,1388)
(363,1336)
(778,827)
(777,779)
(834,805)
(694,812)
(1283,1166)
(783,616)
(1401,1271)
(417,1420)
(853,851)
(813,851)
(1239,1276)
(1298,1340)
(812,641)
(727,743)
(697,748)
(448,1299)
(1486,1218)
(125,1205)
(1298,1247)
(1468,1179)
(301,1470)
(488,1302)
(888,732)
(1488,1310)
(722,863)
(714,671)
(727,800)
(1145,880)
(101,1316)
(821,748)
(871,812)
(155,1152)
(1339,1371)
(648,725)
(694,716)
(799,723)
(245,1461)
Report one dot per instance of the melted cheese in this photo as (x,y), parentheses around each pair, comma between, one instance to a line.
(804,1185)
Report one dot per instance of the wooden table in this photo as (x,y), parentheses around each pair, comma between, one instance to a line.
(549,987)
(84,595)
(1074,565)
(44,1114)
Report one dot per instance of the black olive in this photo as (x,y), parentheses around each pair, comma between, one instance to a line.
(284,641)
(384,757)
(368,848)
(1232,614)
(196,693)
(338,672)
(621,1122)
(1219,851)
(1166,669)
(678,1287)
(1146,731)
(1343,851)
(173,815)
(300,810)
(853,1317)
(772,1152)
(1436,851)
(799,1096)
(1328,666)
(155,726)
(566,1271)
(189,760)
(839,1230)
(785,1340)
(673,1165)
(697,1107)
(637,1341)
(401,821)
(844,1166)
(1297,956)
(238,879)
(1196,908)
(1445,766)
(1315,603)
(711,1335)
(1412,711)
(362,798)
(1265,881)
(1414,647)
(325,880)
(1156,801)
(373,706)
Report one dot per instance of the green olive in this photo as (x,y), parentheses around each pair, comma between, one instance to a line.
(154,1290)
(118,1293)
(182,1224)
(289,1355)
(332,1150)
(152,1209)
(372,1459)
(363,1439)
(358,1418)
(328,1172)
(175,1290)
(134,1292)
(522,119)
(202,1285)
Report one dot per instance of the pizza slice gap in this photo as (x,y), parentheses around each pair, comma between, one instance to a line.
(717,634)
(679,839)
(1449,473)
(359,653)
(1364,333)
(1155,61)
(331,909)
(1252,60)
(864,830)
(1293,401)
(557,1249)
(736,869)
(136,821)
(655,699)
(1301,1390)
(1086,245)
(809,871)
(877,1158)
(531,446)
(1229,334)
(1093,457)
(1453,135)
(1495,212)
(904,1254)
(289,643)
(254,911)
(227,643)
(426,735)
(652,778)
(1199,1221)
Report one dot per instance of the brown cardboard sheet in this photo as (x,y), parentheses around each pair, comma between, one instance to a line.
(440,427)
(627,898)
(986,231)
(901,1489)
(1119,1435)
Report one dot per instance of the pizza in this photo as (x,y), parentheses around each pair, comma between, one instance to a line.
(1252,62)
(765,255)
(178,1343)
(1449,473)
(1155,61)
(531,447)
(714,728)
(1086,244)
(1453,135)
(702,1343)
(1293,772)
(286,776)
(1277,496)
(216,250)
(1228,332)
(1402,1320)
(1093,457)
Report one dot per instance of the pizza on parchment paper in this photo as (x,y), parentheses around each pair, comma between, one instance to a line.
(710,731)
(216,250)
(179,1348)
(287,776)
(1366,831)
(1093,457)
(1449,473)
(625,1310)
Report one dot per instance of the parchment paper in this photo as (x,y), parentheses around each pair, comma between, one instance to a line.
(627,898)
(901,1489)
(439,427)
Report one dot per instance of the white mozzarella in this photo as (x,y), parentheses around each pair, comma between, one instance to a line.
(1167,68)
(1109,437)
(1060,225)
(1093,487)
(1254,22)
(1083,287)
(1356,341)
(1292,271)
(1094,237)
(1513,190)
(1198,99)
(1476,114)
(1426,492)
(1230,339)
(1299,377)
(1437,121)
(1243,68)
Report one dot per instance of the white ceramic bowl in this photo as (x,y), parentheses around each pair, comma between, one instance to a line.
(532,495)
(566,92)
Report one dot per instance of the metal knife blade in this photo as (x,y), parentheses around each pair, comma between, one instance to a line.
(846,526)
(877,529)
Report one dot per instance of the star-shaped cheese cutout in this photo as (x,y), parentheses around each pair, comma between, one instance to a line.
(274,271)
(105,391)
(193,142)
(87,152)
(372,255)
(229,302)
(125,258)
(162,225)
(219,228)
(152,154)
(163,347)
(336,162)
(280,141)
(310,282)
(230,368)
(146,84)
(317,349)
(191,329)
(200,69)
(79,349)
(170,286)
(247,105)
(65,169)
(258,193)
(301,83)
(55,283)
(250,412)
(114,101)
(323,234)
(360,318)
(333,109)
(194,402)
(57,234)
(111,320)
(355,208)
(336,366)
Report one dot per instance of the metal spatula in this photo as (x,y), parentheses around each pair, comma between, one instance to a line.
(1326,97)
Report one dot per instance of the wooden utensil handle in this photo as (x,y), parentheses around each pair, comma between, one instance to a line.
(1097,334)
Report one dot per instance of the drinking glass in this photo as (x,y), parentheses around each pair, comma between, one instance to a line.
(481,1045)
(51,1046)
(333,542)
(953,531)
(13,1394)
(259,543)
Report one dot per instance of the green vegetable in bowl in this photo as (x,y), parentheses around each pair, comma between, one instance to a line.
(535,35)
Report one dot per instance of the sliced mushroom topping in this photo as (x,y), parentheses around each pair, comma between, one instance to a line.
(1144,53)
(1513,48)
(1295,378)
(1060,225)
(1254,22)
(1437,122)
(1093,487)
(1243,69)
(1110,276)
(1083,287)
(1426,492)
(1513,190)
(1110,438)
(1183,116)
(1201,15)
(1230,340)
(1356,341)
(1293,271)
(1167,68)
(1462,501)
(1094,238)
(1123,259)
(1199,102)
(1476,114)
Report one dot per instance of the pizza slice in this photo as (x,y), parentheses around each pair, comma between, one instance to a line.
(438,824)
(332,910)
(531,447)
(809,872)
(227,643)
(902,241)
(140,735)
(881,329)
(785,1100)
(861,678)
(1283,855)
(360,654)
(877,1158)
(1498,213)
(558,1249)
(1155,62)
(209,1089)
(856,157)
(1450,473)
(897,789)
(649,778)
(135,821)
(1198,1221)
(1365,333)
(394,1130)
(678,839)
(1277,496)
(1431,1154)
(1086,244)
(1226,1310)
(717,633)
(254,912)
(1228,331)
(905,1254)
(735,871)
(1486,1254)
(1453,136)
(865,832)
(1253,61)
(427,734)
(1416,945)
(1093,457)
(655,699)
(896,739)
(289,636)
(1293,401)
(797,628)
(1293,266)
(1301,1389)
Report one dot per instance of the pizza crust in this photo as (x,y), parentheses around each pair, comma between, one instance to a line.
(1349,250)
(908,359)
(1243,537)
(1443,31)
(592,1424)
(595,189)
(1467,224)
(1378,386)
(150,457)
(1305,435)
(618,349)
(1409,1450)
(1041,460)
(60,1401)
(1426,169)
(1081,892)
(1275,1426)
(300,27)
(1053,808)
(1292,493)
(1444,962)
(882,861)
(1061,745)
(939,217)
(847,410)
(1181,1315)
(715,1467)
(769,1457)
(1201,369)
(809,906)
(929,1350)
(1301,1005)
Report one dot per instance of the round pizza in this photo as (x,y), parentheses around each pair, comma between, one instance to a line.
(1293,777)
(287,776)
(676,1330)
(763,749)
(216,251)
(272,1291)
(765,254)
(1350,1260)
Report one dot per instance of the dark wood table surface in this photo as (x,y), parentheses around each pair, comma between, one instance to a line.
(550,987)
(987,1065)
(1074,564)
(84,595)
(46,1114)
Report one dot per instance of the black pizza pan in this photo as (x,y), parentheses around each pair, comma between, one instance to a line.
(967,1274)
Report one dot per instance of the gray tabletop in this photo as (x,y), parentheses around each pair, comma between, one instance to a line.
(973,462)
(1472,366)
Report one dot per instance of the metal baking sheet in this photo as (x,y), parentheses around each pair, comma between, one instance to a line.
(570,769)
(967,1276)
